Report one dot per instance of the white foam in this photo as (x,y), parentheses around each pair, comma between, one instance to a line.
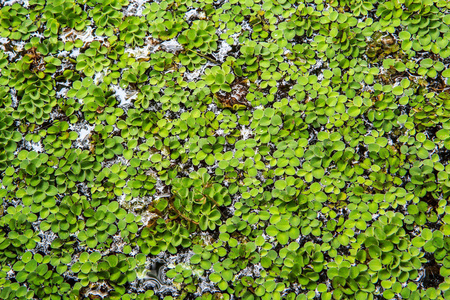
(224,48)
(135,8)
(24,3)
(246,133)
(171,46)
(191,14)
(125,97)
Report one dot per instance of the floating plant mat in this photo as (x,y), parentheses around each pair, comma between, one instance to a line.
(180,149)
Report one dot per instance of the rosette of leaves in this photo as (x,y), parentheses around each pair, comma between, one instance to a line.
(32,183)
(16,73)
(266,124)
(428,109)
(17,233)
(41,197)
(38,48)
(260,61)
(263,22)
(285,227)
(269,63)
(76,166)
(421,18)
(382,117)
(219,78)
(215,256)
(357,8)
(36,99)
(198,41)
(31,169)
(64,219)
(13,290)
(160,61)
(201,36)
(347,279)
(207,256)
(430,68)
(5,96)
(8,137)
(185,277)
(286,159)
(443,137)
(103,223)
(247,286)
(142,184)
(191,60)
(62,13)
(343,35)
(423,177)
(205,149)
(300,264)
(304,20)
(135,74)
(114,181)
(425,21)
(93,59)
(391,13)
(133,30)
(391,253)
(98,101)
(108,148)
(36,271)
(165,24)
(242,254)
(70,107)
(173,97)
(58,139)
(117,270)
(137,123)
(4,61)
(419,213)
(301,55)
(188,126)
(196,201)
(14,22)
(159,235)
(107,16)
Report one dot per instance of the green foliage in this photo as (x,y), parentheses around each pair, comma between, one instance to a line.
(219,78)
(165,24)
(107,17)
(15,24)
(201,36)
(64,13)
(93,60)
(133,31)
(275,149)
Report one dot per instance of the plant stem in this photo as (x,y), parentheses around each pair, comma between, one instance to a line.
(204,56)
(179,213)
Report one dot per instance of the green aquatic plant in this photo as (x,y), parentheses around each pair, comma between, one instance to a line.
(265,150)
(92,60)
(219,78)
(200,36)
(135,31)
(107,17)
(15,24)
(163,23)
(64,13)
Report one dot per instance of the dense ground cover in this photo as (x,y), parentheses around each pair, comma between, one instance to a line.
(246,149)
